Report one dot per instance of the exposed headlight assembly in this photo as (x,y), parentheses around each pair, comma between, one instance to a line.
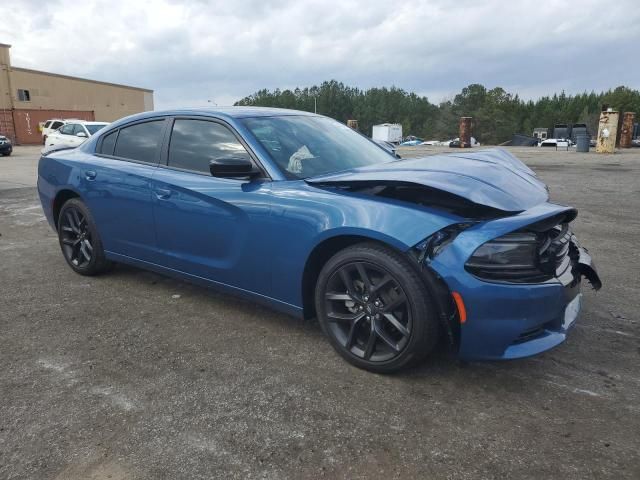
(512,257)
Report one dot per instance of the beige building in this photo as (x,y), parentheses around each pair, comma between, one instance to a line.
(30,97)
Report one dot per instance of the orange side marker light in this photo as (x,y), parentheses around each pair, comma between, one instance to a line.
(462,311)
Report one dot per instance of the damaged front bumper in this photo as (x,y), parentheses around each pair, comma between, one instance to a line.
(586,267)
(512,320)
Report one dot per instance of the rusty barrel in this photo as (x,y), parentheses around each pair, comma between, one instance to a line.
(465,132)
(626,135)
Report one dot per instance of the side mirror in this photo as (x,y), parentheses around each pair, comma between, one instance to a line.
(81,134)
(233,167)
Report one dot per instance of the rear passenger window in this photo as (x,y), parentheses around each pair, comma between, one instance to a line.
(140,142)
(108,142)
(56,125)
(196,142)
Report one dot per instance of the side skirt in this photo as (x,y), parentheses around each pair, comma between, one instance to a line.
(205,282)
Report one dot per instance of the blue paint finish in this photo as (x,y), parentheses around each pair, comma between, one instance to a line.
(255,238)
(119,198)
(213,227)
(305,216)
(494,178)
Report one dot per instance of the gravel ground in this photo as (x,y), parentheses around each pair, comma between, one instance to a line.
(133,375)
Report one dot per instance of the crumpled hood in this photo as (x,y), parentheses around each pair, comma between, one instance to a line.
(492,177)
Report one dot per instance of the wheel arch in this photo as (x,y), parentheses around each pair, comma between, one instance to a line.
(59,200)
(320,254)
(437,287)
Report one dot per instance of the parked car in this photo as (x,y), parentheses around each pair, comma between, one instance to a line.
(455,143)
(556,142)
(411,141)
(52,125)
(301,213)
(5,146)
(72,134)
(458,144)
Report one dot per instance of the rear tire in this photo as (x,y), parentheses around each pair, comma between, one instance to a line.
(79,240)
(375,308)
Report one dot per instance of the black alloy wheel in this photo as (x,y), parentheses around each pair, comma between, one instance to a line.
(76,238)
(375,308)
(368,311)
(79,239)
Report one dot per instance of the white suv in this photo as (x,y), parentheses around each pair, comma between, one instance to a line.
(50,126)
(72,134)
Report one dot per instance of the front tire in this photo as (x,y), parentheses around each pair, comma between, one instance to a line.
(375,308)
(79,240)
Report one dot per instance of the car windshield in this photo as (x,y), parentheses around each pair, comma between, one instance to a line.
(95,127)
(305,146)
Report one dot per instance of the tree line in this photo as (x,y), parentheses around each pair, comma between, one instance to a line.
(497,114)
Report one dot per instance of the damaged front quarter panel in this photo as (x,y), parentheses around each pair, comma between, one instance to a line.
(423,253)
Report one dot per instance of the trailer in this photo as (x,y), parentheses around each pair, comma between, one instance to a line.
(541,133)
(562,130)
(387,132)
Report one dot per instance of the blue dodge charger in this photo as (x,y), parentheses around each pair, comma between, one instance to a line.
(302,213)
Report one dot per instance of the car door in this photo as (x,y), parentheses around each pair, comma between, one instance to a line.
(118,185)
(61,136)
(207,226)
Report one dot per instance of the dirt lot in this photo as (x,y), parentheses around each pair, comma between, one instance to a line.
(132,375)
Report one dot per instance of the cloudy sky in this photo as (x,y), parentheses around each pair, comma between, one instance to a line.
(194,51)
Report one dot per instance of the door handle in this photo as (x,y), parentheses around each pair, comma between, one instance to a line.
(90,175)
(163,193)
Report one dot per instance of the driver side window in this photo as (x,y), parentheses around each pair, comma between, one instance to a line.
(194,143)
(77,128)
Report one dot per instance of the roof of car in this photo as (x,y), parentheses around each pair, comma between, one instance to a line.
(219,112)
(244,112)
(228,112)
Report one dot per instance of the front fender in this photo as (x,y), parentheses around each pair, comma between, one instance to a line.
(305,216)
